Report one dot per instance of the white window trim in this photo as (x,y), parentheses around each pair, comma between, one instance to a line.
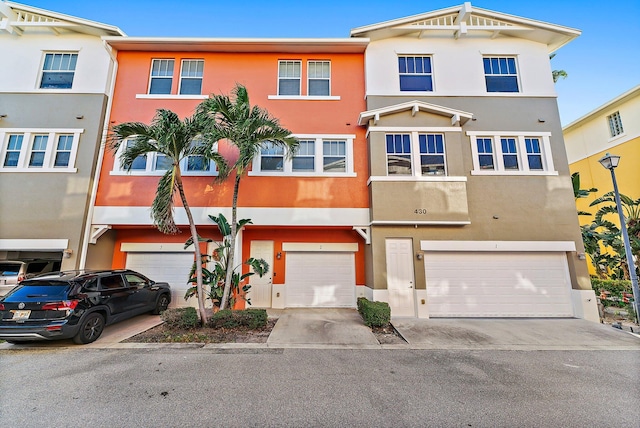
(609,117)
(304,97)
(287,167)
(151,161)
(27,144)
(545,143)
(41,73)
(171,97)
(151,77)
(309,78)
(182,61)
(518,73)
(416,164)
(299,78)
(432,74)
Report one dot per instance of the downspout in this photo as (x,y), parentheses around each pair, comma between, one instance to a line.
(103,141)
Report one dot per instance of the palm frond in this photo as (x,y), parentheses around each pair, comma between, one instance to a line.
(162,209)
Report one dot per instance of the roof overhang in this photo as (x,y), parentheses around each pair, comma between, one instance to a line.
(458,117)
(622,98)
(191,44)
(460,21)
(16,18)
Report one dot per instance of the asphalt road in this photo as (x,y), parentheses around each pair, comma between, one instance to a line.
(75,387)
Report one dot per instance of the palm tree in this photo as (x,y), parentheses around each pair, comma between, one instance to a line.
(247,128)
(557,74)
(176,140)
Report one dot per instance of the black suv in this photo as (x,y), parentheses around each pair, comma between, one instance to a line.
(77,304)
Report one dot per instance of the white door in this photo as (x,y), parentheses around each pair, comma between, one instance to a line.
(498,284)
(173,268)
(260,291)
(320,279)
(400,279)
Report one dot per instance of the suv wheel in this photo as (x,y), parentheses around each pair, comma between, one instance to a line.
(161,305)
(90,329)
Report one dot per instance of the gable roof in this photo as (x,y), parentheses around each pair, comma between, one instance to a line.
(457,116)
(461,20)
(16,18)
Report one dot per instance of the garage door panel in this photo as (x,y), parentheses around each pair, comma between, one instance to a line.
(497,284)
(320,279)
(173,268)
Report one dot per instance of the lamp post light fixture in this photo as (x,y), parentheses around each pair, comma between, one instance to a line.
(610,162)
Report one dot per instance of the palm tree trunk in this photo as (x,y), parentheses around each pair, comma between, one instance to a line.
(196,244)
(232,250)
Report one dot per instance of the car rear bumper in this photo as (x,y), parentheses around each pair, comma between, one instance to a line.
(30,332)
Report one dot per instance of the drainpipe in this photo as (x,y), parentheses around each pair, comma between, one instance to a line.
(103,140)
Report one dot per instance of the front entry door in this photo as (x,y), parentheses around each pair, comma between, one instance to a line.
(400,279)
(260,291)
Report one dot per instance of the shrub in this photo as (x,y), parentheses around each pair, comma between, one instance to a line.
(249,318)
(374,314)
(618,292)
(181,317)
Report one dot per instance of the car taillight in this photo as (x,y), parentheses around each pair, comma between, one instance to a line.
(65,305)
(1,307)
(21,277)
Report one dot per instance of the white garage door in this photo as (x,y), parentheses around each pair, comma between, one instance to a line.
(320,279)
(498,284)
(173,268)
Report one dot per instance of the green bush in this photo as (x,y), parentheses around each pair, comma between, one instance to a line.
(374,314)
(250,318)
(181,317)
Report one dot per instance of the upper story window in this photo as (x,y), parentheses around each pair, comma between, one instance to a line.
(501,74)
(26,150)
(158,164)
(289,75)
(161,76)
(520,154)
(316,155)
(319,75)
(418,154)
(415,73)
(615,124)
(58,70)
(191,76)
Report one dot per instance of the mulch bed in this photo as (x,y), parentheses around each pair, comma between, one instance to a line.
(164,334)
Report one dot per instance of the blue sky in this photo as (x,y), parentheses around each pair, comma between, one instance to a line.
(602,63)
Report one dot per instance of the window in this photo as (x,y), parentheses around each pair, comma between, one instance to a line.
(158,164)
(509,153)
(38,150)
(534,153)
(63,151)
(398,154)
(58,70)
(615,124)
(304,157)
(161,76)
(525,153)
(319,74)
(289,74)
(415,73)
(316,155)
(12,154)
(191,76)
(500,74)
(333,156)
(30,150)
(431,154)
(485,153)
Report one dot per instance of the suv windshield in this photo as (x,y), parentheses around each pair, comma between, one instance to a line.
(38,292)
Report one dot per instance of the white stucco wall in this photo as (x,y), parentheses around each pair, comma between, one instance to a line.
(457,64)
(22,73)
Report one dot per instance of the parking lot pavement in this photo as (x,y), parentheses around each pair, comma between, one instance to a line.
(513,334)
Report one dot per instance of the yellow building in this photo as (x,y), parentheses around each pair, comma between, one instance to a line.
(611,128)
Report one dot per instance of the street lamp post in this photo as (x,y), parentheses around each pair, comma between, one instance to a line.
(610,162)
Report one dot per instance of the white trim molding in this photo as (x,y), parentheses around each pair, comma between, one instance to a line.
(160,247)
(320,247)
(419,223)
(458,117)
(305,97)
(33,244)
(532,246)
(171,97)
